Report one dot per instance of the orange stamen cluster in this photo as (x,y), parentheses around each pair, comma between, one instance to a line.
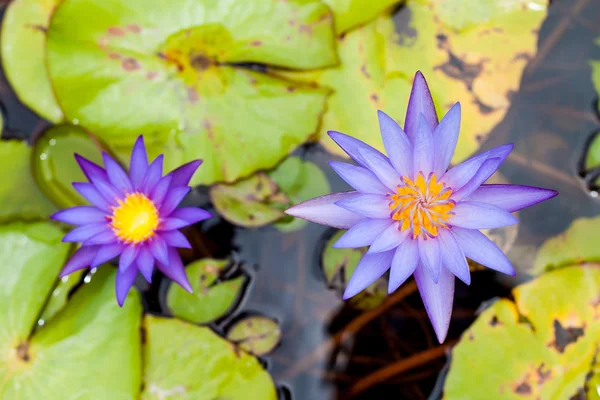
(135,219)
(422,205)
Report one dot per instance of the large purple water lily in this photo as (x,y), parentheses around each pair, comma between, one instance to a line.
(134,216)
(418,216)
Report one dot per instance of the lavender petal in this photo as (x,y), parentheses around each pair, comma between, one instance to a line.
(368,270)
(322,210)
(511,197)
(437,299)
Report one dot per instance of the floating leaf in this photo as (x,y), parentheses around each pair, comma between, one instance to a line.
(54,164)
(352,13)
(184,361)
(592,156)
(212,298)
(19,196)
(339,265)
(24,57)
(58,297)
(173,72)
(578,244)
(596,73)
(255,334)
(552,330)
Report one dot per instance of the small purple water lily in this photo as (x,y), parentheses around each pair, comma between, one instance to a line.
(133,216)
(417,216)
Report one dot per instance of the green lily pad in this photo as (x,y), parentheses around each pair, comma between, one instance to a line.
(20,197)
(212,298)
(60,294)
(184,361)
(23,45)
(54,165)
(339,265)
(173,72)
(351,13)
(596,73)
(576,245)
(550,331)
(592,156)
(255,334)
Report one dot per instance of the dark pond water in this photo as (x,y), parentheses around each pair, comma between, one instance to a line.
(330,351)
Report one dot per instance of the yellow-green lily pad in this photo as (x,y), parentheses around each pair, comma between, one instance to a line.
(213,297)
(54,165)
(255,334)
(23,48)
(592,155)
(351,13)
(174,73)
(541,346)
(59,296)
(183,361)
(20,197)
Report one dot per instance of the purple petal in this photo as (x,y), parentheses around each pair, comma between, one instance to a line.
(175,270)
(85,232)
(423,143)
(437,299)
(106,237)
(116,176)
(139,162)
(420,102)
(359,178)
(389,239)
(482,250)
(190,215)
(159,192)
(431,257)
(175,239)
(511,197)
(453,257)
(172,200)
(82,258)
(128,256)
(474,215)
(183,175)
(380,165)
(145,262)
(123,283)
(93,172)
(106,253)
(80,215)
(487,169)
(351,146)
(406,259)
(362,233)
(501,152)
(445,138)
(153,175)
(397,145)
(322,210)
(459,175)
(367,205)
(91,194)
(368,270)
(159,250)
(110,194)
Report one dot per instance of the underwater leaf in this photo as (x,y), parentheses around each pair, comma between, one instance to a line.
(184,361)
(176,73)
(349,14)
(255,334)
(20,197)
(551,332)
(578,244)
(339,265)
(23,45)
(212,298)
(58,297)
(54,165)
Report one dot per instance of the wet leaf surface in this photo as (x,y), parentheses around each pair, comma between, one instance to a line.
(352,13)
(20,197)
(551,332)
(184,361)
(173,73)
(23,44)
(59,296)
(213,297)
(255,334)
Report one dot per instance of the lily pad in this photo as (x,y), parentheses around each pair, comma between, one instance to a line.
(184,361)
(255,334)
(58,297)
(551,332)
(212,299)
(592,155)
(20,197)
(576,245)
(339,265)
(262,198)
(174,72)
(23,48)
(351,13)
(54,165)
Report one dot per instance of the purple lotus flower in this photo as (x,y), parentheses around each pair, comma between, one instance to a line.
(417,216)
(132,216)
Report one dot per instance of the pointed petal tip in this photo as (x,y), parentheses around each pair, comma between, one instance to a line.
(441,334)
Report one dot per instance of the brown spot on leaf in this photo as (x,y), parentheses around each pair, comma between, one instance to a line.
(565,336)
(130,64)
(456,68)
(151,75)
(115,31)
(542,375)
(114,56)
(470,336)
(374,97)
(524,389)
(364,71)
(523,55)
(291,89)
(134,28)
(201,62)
(494,321)
(23,351)
(251,217)
(256,43)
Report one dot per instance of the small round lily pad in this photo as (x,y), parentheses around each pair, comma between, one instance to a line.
(256,334)
(352,13)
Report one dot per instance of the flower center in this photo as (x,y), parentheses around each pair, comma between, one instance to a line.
(135,219)
(423,205)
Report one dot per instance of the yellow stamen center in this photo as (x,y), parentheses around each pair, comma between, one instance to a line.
(135,219)
(423,205)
